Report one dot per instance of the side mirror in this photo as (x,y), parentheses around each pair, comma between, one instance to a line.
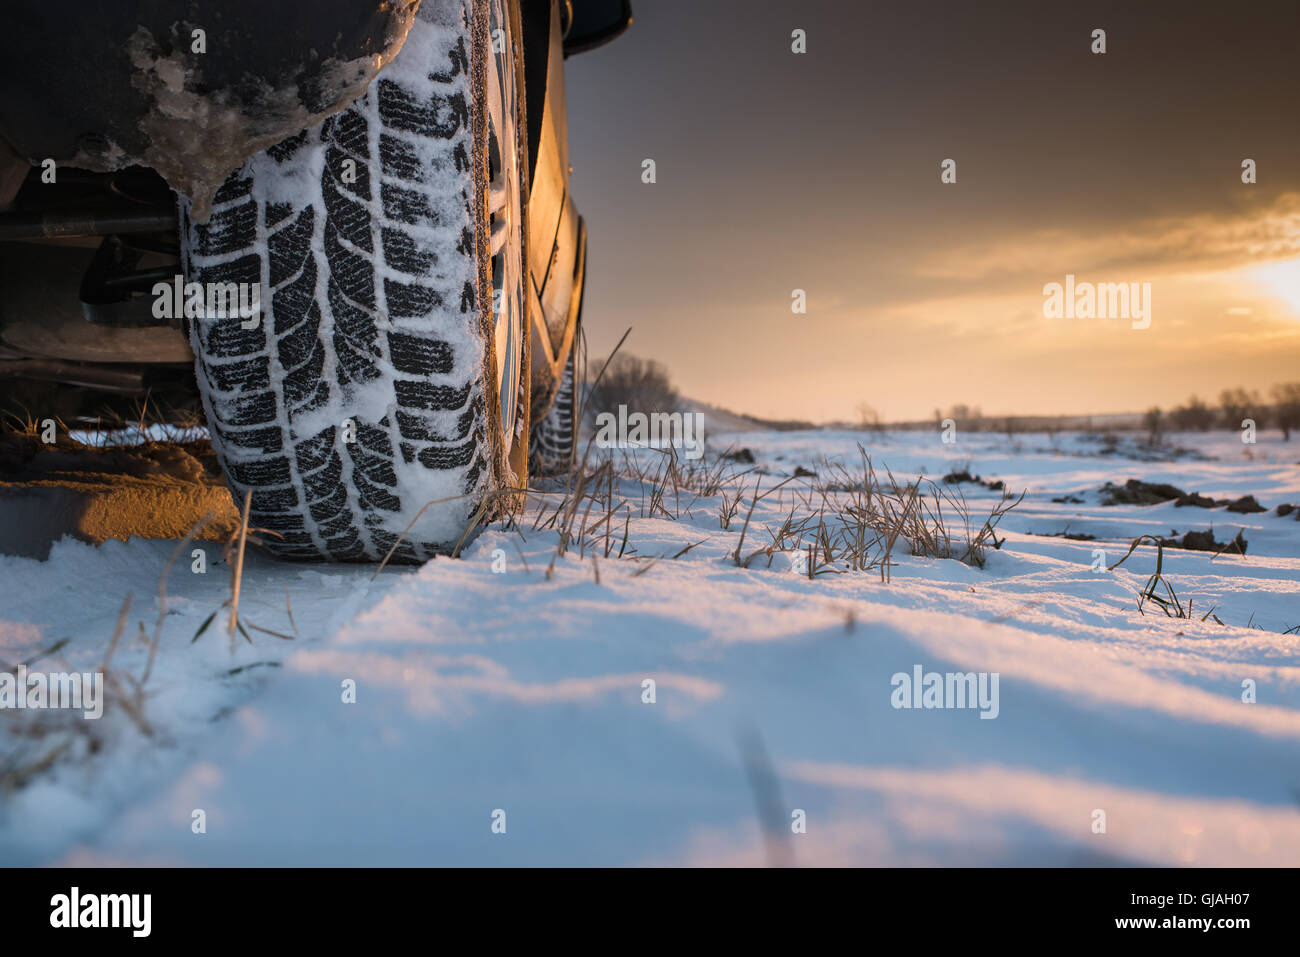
(594,23)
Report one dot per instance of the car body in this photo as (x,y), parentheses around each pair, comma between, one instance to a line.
(109,110)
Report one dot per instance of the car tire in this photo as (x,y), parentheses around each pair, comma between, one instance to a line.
(375,403)
(553,445)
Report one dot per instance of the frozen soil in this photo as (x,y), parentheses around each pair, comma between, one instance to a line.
(155,490)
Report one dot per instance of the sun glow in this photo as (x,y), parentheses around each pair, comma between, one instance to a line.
(1281,279)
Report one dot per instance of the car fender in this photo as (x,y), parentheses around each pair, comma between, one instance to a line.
(190,88)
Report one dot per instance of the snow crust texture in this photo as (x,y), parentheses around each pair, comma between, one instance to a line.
(514,679)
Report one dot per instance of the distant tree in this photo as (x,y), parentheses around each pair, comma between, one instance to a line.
(1153,422)
(642,385)
(967,417)
(1195,414)
(868,417)
(1286,407)
(1238,404)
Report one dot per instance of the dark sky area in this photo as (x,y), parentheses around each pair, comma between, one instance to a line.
(821,171)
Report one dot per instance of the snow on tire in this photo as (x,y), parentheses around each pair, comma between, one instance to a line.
(368,389)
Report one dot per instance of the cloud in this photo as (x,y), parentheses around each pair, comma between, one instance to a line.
(1144,249)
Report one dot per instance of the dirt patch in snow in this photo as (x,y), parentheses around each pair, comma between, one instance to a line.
(153,491)
(1135,492)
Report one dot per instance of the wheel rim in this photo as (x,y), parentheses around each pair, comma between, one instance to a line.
(505,209)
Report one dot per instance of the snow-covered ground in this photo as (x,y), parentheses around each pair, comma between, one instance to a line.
(502,713)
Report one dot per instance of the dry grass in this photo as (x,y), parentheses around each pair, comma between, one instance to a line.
(233,555)
(1151,593)
(854,520)
(47,737)
(851,522)
(237,569)
(40,739)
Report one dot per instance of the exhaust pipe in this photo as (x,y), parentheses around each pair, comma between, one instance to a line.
(62,225)
(107,378)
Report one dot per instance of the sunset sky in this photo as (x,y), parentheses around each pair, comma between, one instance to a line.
(821,171)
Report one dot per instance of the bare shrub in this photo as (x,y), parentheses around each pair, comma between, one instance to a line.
(1238,404)
(869,418)
(642,385)
(1195,415)
(1286,408)
(1153,425)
